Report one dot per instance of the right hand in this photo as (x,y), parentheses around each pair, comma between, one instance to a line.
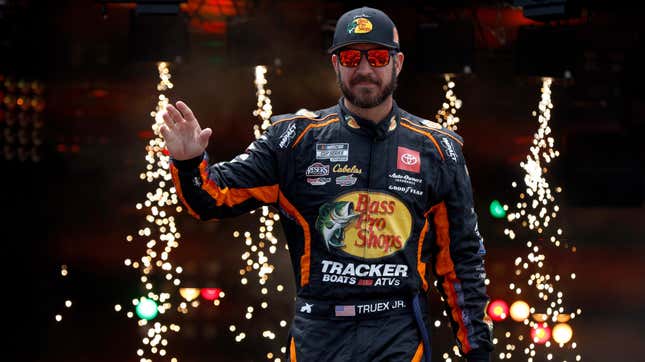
(184,137)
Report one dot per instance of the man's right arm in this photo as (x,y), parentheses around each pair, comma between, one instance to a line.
(223,189)
(228,188)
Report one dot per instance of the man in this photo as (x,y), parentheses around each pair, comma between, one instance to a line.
(372,200)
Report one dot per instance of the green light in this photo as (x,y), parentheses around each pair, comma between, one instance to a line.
(497,210)
(146,309)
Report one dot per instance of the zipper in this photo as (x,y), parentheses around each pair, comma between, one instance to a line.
(370,184)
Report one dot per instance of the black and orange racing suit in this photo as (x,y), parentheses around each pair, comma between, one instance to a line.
(368,211)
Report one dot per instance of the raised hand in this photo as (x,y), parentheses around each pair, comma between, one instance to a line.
(184,137)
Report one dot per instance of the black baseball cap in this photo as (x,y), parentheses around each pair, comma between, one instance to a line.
(365,25)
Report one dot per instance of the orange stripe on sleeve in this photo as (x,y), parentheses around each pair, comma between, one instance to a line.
(427,135)
(312,125)
(292,351)
(305,259)
(175,178)
(235,196)
(421,266)
(445,267)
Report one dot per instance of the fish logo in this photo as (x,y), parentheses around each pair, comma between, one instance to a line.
(332,219)
(359,26)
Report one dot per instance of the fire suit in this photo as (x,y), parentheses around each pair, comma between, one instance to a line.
(370,212)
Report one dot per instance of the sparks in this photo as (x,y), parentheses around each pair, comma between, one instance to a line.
(535,214)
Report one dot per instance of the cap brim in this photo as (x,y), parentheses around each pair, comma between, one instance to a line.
(338,46)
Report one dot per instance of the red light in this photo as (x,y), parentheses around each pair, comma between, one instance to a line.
(210,293)
(498,310)
(145,135)
(99,93)
(541,333)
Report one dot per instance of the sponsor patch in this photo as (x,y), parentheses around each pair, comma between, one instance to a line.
(351,122)
(430,124)
(317,169)
(318,181)
(287,136)
(346,180)
(408,160)
(346,169)
(368,225)
(363,274)
(335,152)
(359,26)
(392,126)
(405,179)
(447,145)
(405,189)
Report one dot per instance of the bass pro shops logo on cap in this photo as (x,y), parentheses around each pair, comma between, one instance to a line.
(359,26)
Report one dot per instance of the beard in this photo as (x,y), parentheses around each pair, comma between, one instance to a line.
(364,97)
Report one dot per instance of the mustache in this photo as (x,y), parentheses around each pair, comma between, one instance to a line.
(364,78)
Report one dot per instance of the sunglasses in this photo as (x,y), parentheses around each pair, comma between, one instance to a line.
(375,57)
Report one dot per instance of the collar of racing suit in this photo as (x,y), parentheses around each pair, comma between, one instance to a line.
(376,131)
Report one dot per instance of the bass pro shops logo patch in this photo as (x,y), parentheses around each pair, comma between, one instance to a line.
(367,225)
(359,26)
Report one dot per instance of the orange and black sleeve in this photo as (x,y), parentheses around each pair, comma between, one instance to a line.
(457,258)
(226,189)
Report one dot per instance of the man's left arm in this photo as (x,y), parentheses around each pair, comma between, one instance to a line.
(458,258)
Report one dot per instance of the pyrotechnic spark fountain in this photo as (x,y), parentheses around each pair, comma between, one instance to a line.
(257,267)
(538,302)
(447,114)
(536,212)
(159,277)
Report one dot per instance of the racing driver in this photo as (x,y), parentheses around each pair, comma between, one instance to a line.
(374,202)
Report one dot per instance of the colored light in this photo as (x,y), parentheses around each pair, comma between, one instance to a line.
(562,333)
(211,293)
(541,333)
(189,293)
(498,310)
(146,308)
(497,210)
(520,310)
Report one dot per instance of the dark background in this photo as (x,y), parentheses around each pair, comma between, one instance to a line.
(76,205)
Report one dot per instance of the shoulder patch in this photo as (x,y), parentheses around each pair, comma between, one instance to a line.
(430,124)
(307,113)
(448,148)
(287,136)
(288,126)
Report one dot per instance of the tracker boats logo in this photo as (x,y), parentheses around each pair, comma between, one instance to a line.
(367,225)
